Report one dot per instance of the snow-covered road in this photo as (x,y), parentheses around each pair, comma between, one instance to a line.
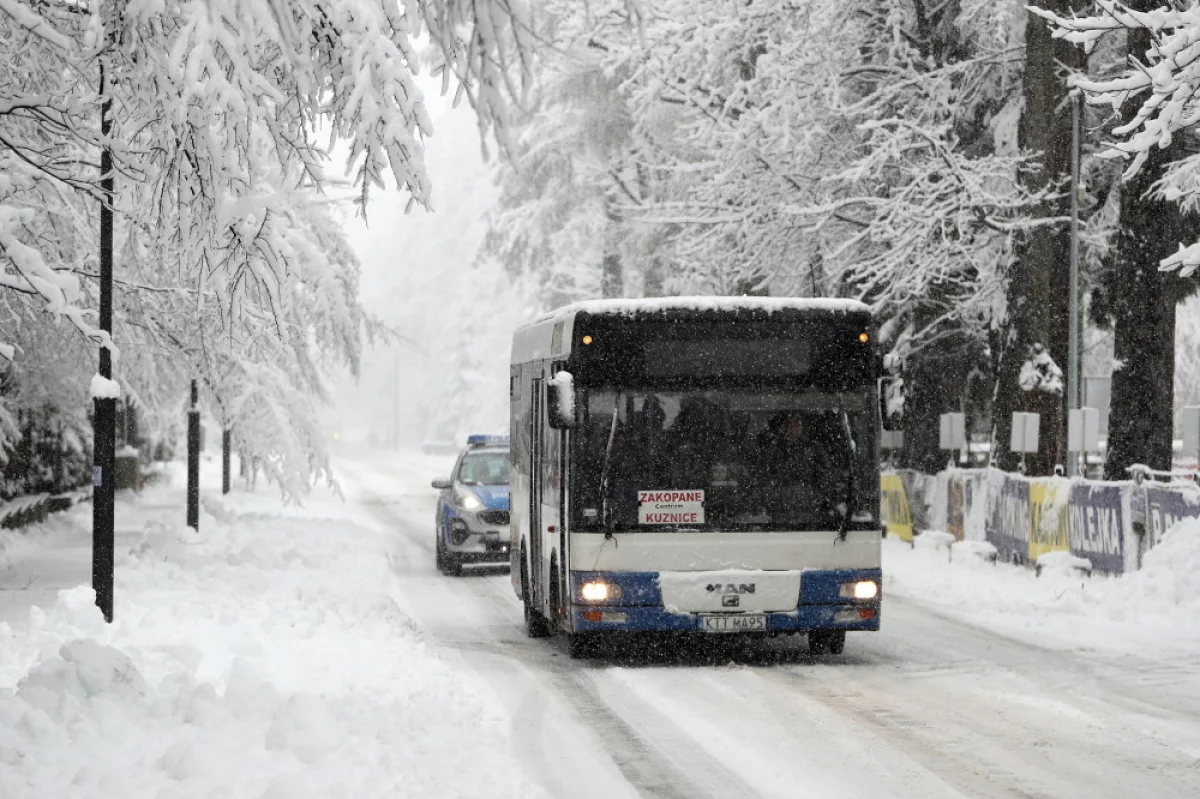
(315,652)
(932,706)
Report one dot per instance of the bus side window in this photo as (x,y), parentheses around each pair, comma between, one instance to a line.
(551,458)
(521,443)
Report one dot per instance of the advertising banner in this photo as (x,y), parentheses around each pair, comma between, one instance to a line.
(918,491)
(1164,507)
(975,495)
(894,506)
(956,505)
(1009,530)
(1047,518)
(1097,526)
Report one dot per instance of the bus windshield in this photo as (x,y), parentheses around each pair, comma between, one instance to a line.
(723,459)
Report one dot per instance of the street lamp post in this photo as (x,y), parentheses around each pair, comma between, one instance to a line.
(193,462)
(1073,303)
(105,431)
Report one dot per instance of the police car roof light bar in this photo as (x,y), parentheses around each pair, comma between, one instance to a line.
(482,440)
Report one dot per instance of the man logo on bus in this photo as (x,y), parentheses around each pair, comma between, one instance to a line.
(730,588)
(730,600)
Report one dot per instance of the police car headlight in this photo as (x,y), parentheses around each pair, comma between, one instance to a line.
(598,591)
(469,501)
(863,589)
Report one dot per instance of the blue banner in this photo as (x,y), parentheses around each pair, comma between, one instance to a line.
(1096,526)
(1164,507)
(1009,530)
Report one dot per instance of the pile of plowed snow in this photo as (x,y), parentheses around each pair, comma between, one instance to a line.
(262,658)
(1169,580)
(1147,610)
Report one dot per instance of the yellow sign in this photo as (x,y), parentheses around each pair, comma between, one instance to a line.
(1048,530)
(893,501)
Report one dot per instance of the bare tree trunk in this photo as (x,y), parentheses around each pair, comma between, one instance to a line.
(935,382)
(612,279)
(1039,281)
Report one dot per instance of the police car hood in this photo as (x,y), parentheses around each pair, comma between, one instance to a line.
(492,497)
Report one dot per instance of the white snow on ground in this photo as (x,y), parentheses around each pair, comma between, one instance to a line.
(262,658)
(1149,611)
(315,652)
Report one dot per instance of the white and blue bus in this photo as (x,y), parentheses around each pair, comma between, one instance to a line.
(697,465)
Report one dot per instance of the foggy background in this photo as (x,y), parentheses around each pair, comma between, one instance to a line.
(448,374)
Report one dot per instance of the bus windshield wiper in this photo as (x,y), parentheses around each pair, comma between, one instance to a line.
(851,493)
(612,433)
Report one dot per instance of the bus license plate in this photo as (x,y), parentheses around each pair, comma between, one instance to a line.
(734,623)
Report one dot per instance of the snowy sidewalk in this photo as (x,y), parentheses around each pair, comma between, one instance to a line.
(1151,612)
(39,561)
(263,657)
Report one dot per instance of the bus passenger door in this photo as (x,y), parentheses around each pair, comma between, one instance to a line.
(536,454)
(554,508)
(560,499)
(552,515)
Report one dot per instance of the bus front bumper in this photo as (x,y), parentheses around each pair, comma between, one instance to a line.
(804,619)
(639,607)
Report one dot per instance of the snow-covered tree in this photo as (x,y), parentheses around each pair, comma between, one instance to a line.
(569,159)
(1158,93)
(1155,97)
(225,271)
(862,149)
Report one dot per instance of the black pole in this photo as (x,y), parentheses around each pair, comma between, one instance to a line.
(193,469)
(105,448)
(226,440)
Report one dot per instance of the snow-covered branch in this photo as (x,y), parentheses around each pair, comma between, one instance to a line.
(1166,78)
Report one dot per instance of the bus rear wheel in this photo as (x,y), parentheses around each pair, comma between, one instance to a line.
(826,642)
(536,625)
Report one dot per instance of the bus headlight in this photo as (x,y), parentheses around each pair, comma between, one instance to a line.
(597,591)
(863,589)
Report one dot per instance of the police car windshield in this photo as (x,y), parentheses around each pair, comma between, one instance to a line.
(726,459)
(484,468)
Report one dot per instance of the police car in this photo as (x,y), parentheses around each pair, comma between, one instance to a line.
(472,510)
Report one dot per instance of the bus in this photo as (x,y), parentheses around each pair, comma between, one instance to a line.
(705,466)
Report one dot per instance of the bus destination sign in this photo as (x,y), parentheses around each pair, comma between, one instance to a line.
(670,507)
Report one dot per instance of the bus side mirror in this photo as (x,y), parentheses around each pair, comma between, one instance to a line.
(891,392)
(560,401)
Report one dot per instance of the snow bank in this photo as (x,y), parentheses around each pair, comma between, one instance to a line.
(1062,563)
(1169,580)
(1152,609)
(933,540)
(981,550)
(261,658)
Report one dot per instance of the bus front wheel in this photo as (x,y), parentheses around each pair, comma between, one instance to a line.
(826,642)
(580,646)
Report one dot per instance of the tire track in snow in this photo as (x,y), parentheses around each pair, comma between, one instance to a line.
(1021,722)
(1159,699)
(921,697)
(503,664)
